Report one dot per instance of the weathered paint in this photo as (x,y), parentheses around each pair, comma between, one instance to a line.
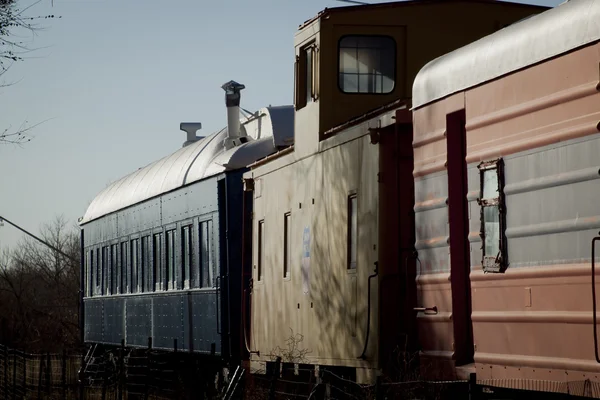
(532,322)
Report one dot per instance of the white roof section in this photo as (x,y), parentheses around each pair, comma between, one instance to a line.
(570,25)
(269,128)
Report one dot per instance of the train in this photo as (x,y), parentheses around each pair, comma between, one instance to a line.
(426,203)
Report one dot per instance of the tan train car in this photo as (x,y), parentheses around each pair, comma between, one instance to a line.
(506,166)
(321,258)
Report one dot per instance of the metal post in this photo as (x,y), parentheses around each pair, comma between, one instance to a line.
(24,375)
(121,369)
(64,374)
(48,369)
(14,385)
(148,367)
(5,373)
(473,386)
(274,378)
(40,377)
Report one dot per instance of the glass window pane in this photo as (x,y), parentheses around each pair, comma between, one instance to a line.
(491,220)
(261,248)
(114,269)
(207,268)
(124,268)
(287,246)
(349,83)
(352,231)
(348,61)
(157,261)
(367,64)
(490,183)
(309,74)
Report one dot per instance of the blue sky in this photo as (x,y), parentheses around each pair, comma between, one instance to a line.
(114,78)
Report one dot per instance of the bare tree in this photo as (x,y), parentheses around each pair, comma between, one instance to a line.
(12,20)
(39,300)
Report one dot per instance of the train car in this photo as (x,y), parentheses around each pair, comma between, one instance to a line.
(506,167)
(162,246)
(332,214)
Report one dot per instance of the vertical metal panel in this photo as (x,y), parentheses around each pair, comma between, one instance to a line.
(138,320)
(112,320)
(168,314)
(93,312)
(204,313)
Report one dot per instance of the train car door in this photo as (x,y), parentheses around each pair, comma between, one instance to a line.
(459,243)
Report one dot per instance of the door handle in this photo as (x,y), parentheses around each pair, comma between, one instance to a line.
(426,309)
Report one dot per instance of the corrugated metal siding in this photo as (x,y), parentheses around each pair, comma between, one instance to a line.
(552,214)
(431,223)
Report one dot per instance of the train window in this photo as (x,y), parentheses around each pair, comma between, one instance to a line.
(352,230)
(170,283)
(145,270)
(306,76)
(105,270)
(186,253)
(135,265)
(287,244)
(123,272)
(98,286)
(157,261)
(207,270)
(492,216)
(261,249)
(113,269)
(367,64)
(89,268)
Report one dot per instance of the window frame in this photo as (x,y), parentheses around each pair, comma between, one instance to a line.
(395,69)
(211,267)
(187,254)
(260,253)
(134,264)
(287,245)
(351,266)
(158,260)
(170,253)
(500,261)
(305,92)
(125,270)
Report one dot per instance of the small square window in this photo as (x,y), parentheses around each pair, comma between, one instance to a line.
(492,217)
(367,64)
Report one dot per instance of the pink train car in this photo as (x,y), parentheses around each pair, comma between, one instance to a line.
(506,148)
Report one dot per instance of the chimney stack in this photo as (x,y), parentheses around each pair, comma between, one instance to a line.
(232,101)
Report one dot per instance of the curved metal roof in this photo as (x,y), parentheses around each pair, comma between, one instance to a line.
(273,127)
(570,25)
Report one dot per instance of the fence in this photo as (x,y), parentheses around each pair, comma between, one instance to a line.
(31,376)
(149,374)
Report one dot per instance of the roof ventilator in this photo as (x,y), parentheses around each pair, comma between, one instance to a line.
(191,128)
(236,133)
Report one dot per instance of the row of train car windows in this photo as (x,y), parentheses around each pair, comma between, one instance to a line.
(352,240)
(151,263)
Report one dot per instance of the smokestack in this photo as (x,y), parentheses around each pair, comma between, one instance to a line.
(232,101)
(191,128)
